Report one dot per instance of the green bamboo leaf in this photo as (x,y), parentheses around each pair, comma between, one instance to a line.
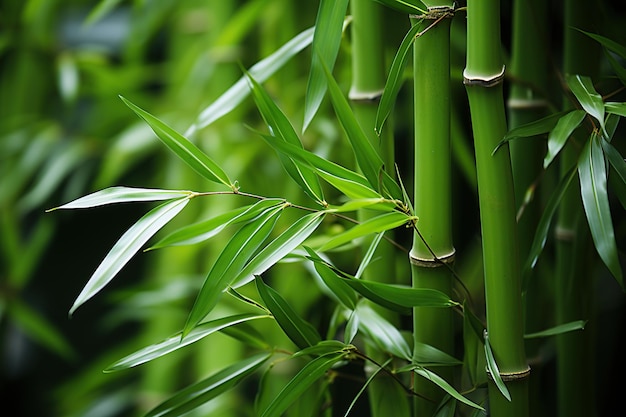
(615,108)
(447,407)
(536,128)
(126,247)
(395,78)
(381,223)
(281,128)
(593,179)
(560,329)
(367,157)
(441,383)
(301,332)
(325,347)
(337,286)
(240,248)
(352,327)
(427,355)
(587,96)
(474,358)
(615,159)
(618,68)
(405,6)
(352,189)
(183,148)
(247,335)
(261,71)
(175,342)
(103,8)
(380,204)
(326,41)
(114,195)
(492,366)
(385,335)
(199,393)
(607,43)
(308,375)
(202,231)
(543,227)
(561,132)
(280,247)
(369,254)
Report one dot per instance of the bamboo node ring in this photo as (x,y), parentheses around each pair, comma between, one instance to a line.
(432,262)
(511,376)
(436,12)
(365,96)
(483,81)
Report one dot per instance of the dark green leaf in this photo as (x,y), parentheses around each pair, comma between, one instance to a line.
(248,335)
(560,329)
(608,43)
(114,195)
(535,128)
(326,41)
(126,247)
(199,393)
(230,262)
(493,369)
(427,355)
(561,132)
(301,332)
(183,148)
(385,335)
(323,348)
(615,159)
(337,286)
(593,179)
(309,374)
(587,96)
(175,342)
(405,6)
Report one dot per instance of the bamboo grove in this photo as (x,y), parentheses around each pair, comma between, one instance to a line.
(323,258)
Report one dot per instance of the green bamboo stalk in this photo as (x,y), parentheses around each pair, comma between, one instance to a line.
(432,197)
(575,365)
(483,79)
(368,82)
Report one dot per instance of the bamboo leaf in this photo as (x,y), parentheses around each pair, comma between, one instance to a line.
(427,355)
(381,223)
(385,335)
(175,342)
(615,159)
(441,383)
(114,195)
(126,247)
(183,148)
(326,41)
(280,247)
(394,79)
(202,231)
(493,369)
(261,71)
(405,6)
(556,330)
(379,204)
(338,287)
(607,43)
(308,375)
(248,335)
(199,393)
(281,128)
(587,96)
(561,132)
(297,329)
(593,178)
(325,347)
(616,108)
(531,129)
(235,255)
(369,254)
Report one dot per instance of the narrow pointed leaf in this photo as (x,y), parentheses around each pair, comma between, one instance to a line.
(427,355)
(385,335)
(199,393)
(561,132)
(301,332)
(235,255)
(369,254)
(535,128)
(381,223)
(247,335)
(338,287)
(616,108)
(114,195)
(325,347)
(126,247)
(183,148)
(607,43)
(379,204)
(300,383)
(405,6)
(587,96)
(493,369)
(261,71)
(615,159)
(175,342)
(326,41)
(560,329)
(593,187)
(395,78)
(280,247)
(441,383)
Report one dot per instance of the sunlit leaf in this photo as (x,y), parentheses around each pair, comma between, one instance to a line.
(592,172)
(493,369)
(369,254)
(379,204)
(308,375)
(587,96)
(183,148)
(381,223)
(279,247)
(441,383)
(394,79)
(175,342)
(114,195)
(560,329)
(301,332)
(199,393)
(240,248)
(385,335)
(261,71)
(326,41)
(561,132)
(126,247)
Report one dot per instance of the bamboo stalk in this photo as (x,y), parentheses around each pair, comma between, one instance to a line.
(432,197)
(483,79)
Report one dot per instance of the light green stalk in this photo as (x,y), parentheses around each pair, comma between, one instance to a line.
(368,81)
(432,197)
(575,376)
(483,78)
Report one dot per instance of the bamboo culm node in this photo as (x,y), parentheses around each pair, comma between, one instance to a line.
(433,262)
(365,96)
(511,376)
(563,234)
(518,103)
(483,80)
(436,12)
